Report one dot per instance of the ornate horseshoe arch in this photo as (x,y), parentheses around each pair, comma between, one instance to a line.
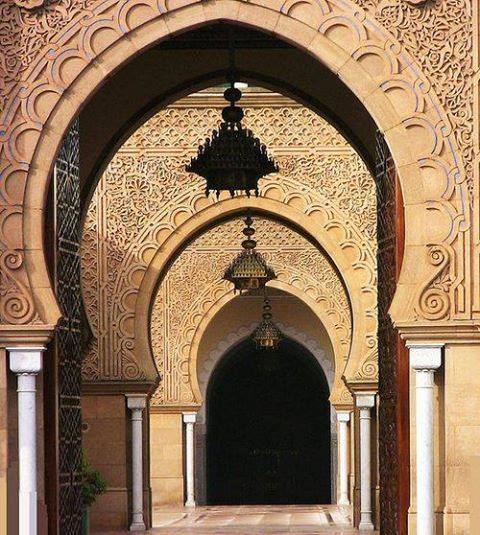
(370,61)
(338,391)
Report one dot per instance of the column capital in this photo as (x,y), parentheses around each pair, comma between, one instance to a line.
(425,356)
(136,401)
(343,416)
(26,360)
(365,400)
(189,417)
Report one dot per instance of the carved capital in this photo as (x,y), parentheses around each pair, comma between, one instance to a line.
(136,401)
(26,360)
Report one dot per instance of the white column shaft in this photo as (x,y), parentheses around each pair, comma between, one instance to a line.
(365,470)
(425,359)
(189,419)
(27,363)
(343,462)
(137,469)
(190,466)
(27,454)
(136,403)
(424,439)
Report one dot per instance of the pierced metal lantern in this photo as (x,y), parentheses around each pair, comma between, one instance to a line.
(249,271)
(267,335)
(233,159)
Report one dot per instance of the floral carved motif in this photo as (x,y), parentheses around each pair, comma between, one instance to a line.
(29,4)
(434,302)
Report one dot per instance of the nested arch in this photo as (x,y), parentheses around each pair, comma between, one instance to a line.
(333,370)
(354,274)
(338,34)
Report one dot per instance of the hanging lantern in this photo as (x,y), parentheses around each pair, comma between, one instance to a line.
(232,159)
(249,271)
(267,335)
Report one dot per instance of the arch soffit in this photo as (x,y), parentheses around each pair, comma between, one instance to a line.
(339,34)
(186,88)
(353,273)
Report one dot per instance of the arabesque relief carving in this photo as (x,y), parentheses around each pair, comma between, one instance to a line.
(145,194)
(193,285)
(45,50)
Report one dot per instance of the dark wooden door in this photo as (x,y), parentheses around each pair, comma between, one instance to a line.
(268,439)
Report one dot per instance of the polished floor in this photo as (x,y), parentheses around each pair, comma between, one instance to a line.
(248,520)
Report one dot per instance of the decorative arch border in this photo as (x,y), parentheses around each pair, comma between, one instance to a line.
(338,33)
(242,333)
(338,390)
(237,336)
(344,255)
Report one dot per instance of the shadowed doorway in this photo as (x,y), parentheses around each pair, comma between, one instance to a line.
(268,428)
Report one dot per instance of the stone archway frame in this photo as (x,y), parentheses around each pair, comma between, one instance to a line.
(337,388)
(338,33)
(327,235)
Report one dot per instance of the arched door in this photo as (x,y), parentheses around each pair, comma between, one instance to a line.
(268,428)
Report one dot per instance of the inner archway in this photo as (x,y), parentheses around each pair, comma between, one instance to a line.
(268,428)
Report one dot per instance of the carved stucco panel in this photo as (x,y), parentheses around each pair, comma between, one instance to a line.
(145,194)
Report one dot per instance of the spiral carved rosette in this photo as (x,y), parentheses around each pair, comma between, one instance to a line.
(16,304)
(434,300)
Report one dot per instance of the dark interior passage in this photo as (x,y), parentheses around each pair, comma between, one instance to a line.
(268,434)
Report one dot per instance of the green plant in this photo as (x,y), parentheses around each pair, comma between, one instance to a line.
(93,483)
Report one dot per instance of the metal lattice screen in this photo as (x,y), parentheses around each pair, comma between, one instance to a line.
(68,337)
(393,494)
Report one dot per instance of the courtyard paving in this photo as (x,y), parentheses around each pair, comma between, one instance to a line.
(251,520)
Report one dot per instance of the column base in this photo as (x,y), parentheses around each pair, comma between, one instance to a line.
(138,526)
(190,503)
(343,501)
(366,526)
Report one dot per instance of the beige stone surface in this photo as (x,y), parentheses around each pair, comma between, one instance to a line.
(106,427)
(166,458)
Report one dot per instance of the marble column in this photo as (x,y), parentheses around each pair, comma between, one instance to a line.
(343,417)
(26,363)
(365,402)
(137,403)
(424,360)
(189,419)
